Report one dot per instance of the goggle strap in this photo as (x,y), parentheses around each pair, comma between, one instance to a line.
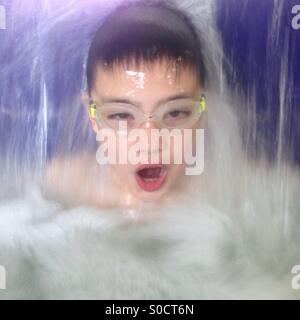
(92,109)
(203,102)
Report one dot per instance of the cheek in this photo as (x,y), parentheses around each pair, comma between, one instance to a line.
(180,145)
(124,167)
(176,173)
(124,148)
(196,135)
(122,170)
(176,149)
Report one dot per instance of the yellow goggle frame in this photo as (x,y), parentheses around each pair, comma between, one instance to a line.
(93,107)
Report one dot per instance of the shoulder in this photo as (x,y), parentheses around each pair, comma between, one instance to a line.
(78,180)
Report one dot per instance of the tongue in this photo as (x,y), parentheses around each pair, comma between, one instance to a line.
(150,173)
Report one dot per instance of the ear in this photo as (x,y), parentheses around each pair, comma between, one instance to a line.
(86,102)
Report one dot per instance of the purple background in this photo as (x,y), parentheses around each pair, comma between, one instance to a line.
(28,59)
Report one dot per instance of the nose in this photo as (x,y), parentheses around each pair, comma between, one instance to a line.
(149,124)
(153,145)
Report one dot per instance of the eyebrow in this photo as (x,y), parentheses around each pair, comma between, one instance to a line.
(137,104)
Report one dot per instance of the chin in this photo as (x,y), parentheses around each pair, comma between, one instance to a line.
(151,196)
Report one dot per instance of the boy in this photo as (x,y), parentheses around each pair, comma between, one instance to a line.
(145,70)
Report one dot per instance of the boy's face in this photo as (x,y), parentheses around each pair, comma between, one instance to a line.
(149,87)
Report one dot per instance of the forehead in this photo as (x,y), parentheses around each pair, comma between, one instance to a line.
(151,80)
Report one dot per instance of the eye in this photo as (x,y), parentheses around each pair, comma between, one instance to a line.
(120,116)
(178,114)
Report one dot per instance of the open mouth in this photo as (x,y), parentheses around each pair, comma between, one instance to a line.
(151,177)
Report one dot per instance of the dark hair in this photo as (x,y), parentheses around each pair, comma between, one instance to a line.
(145,32)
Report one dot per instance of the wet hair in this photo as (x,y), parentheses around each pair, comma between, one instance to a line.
(143,32)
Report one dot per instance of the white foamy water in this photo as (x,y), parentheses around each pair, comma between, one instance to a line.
(175,251)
